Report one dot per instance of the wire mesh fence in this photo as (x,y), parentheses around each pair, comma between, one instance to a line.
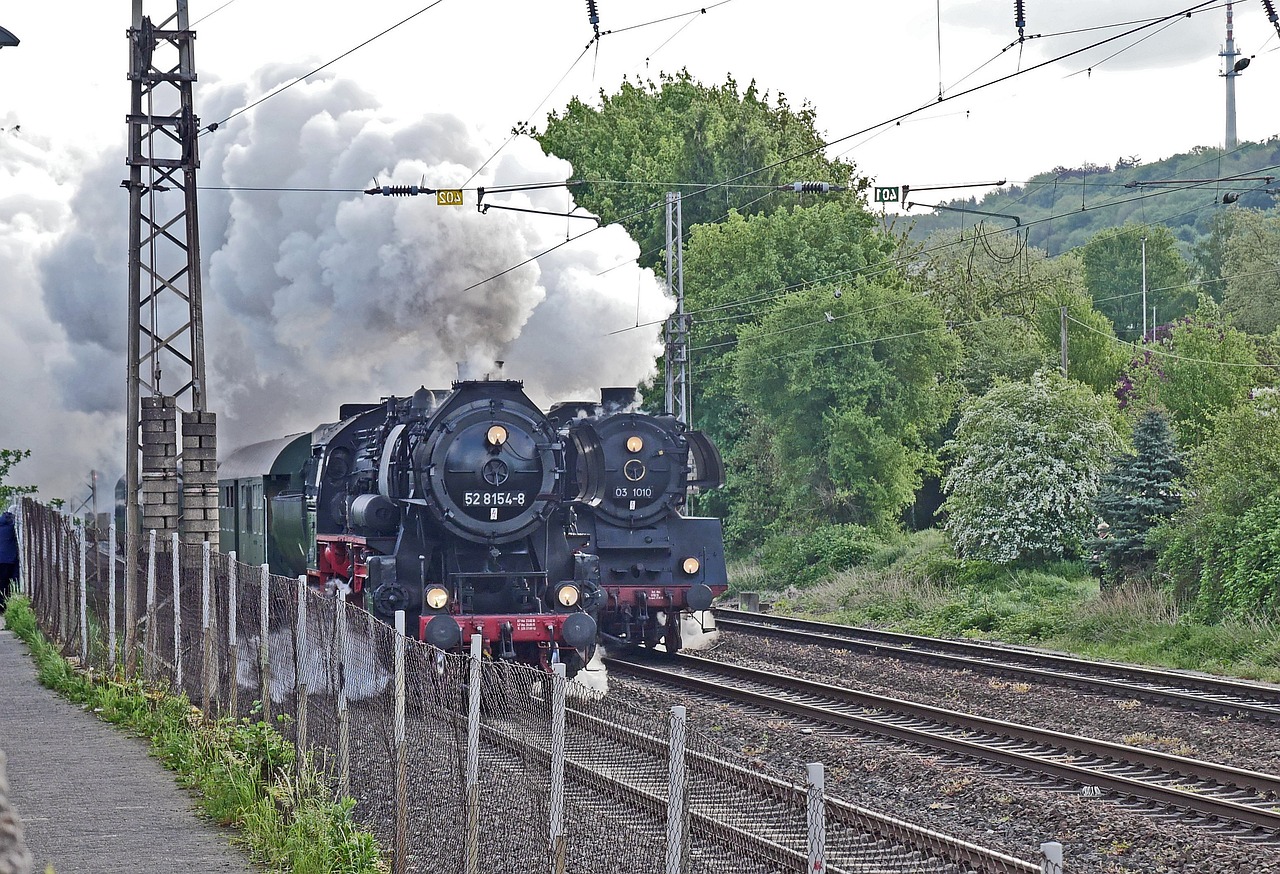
(456,762)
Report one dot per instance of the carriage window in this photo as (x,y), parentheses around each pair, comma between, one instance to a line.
(248,508)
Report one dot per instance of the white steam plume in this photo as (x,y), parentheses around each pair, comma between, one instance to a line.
(313,299)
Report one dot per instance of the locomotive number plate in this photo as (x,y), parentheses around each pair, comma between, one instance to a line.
(494,499)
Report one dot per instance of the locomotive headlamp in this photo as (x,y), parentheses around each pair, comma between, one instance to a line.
(437,597)
(691,565)
(634,443)
(568,595)
(497,436)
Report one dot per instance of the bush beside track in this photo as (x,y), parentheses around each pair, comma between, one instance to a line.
(243,771)
(914,583)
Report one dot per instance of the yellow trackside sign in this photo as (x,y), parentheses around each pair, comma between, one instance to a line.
(449,197)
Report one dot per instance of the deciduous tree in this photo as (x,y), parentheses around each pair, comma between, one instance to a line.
(1026,463)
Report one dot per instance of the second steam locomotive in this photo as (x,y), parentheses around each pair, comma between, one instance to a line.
(476,513)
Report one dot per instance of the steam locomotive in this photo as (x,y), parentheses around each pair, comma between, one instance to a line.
(474,512)
(656,565)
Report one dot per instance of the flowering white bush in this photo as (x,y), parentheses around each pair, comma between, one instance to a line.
(1026,463)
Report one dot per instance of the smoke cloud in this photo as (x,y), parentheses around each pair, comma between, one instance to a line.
(316,298)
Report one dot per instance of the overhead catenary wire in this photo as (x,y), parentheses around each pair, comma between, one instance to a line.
(1155,349)
(896,262)
(209,128)
(1191,10)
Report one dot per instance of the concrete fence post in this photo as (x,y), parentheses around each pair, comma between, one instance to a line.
(557,833)
(473,756)
(400,863)
(677,796)
(177,612)
(264,646)
(149,641)
(1051,858)
(816,782)
(233,645)
(111,597)
(300,683)
(340,666)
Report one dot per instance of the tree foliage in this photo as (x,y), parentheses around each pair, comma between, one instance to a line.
(1003,299)
(1194,368)
(1027,459)
(1138,492)
(1113,276)
(1251,267)
(9,458)
(738,273)
(851,391)
(1222,548)
(649,138)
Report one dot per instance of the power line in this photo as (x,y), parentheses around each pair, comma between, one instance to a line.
(215,125)
(1156,350)
(1185,12)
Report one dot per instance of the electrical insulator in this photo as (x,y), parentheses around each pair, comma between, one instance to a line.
(397,190)
(1020,14)
(811,187)
(1271,10)
(594,15)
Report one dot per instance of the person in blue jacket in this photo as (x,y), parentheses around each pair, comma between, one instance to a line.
(8,556)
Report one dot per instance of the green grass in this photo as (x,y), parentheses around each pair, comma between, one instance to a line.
(915,584)
(243,771)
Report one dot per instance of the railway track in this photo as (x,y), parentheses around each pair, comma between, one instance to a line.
(1244,804)
(733,809)
(1217,695)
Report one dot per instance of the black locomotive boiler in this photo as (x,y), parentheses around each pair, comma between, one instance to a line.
(453,506)
(656,565)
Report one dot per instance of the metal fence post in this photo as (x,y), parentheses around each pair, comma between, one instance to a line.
(111,597)
(817,816)
(233,646)
(557,835)
(206,641)
(340,665)
(1051,858)
(300,684)
(177,613)
(131,545)
(59,579)
(84,599)
(149,641)
(473,757)
(264,653)
(677,808)
(402,756)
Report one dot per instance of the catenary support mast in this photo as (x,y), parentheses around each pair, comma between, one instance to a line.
(166,370)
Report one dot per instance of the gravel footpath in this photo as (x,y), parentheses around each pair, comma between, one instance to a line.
(1012,815)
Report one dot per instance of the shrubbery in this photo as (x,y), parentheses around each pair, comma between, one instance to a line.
(804,560)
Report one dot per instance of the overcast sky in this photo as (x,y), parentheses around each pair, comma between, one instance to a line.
(437,96)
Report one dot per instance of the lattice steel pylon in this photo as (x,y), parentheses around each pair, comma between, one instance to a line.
(166,320)
(677,326)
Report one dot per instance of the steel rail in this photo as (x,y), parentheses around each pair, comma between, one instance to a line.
(1225,695)
(853,816)
(786,694)
(656,805)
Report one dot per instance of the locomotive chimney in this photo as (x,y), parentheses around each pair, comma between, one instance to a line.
(616,399)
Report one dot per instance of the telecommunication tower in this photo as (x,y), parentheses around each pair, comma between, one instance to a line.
(166,319)
(1232,70)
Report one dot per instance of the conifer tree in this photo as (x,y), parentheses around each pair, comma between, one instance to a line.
(1139,491)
